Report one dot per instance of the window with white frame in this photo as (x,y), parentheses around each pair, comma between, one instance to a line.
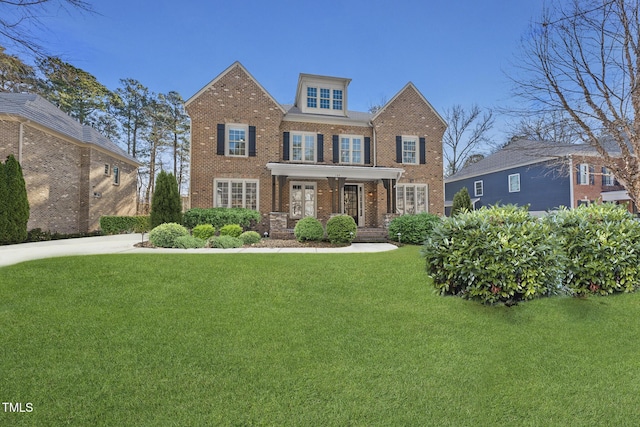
(325,99)
(410,150)
(232,193)
(478,188)
(583,174)
(302,197)
(412,198)
(303,146)
(351,149)
(236,141)
(607,177)
(514,183)
(116,175)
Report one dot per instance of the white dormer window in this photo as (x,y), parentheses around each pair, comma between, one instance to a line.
(322,94)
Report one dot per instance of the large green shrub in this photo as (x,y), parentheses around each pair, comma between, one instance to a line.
(233,230)
(461,202)
(225,242)
(341,229)
(602,248)
(165,235)
(308,229)
(16,203)
(204,231)
(495,254)
(219,217)
(190,242)
(250,237)
(124,224)
(166,205)
(413,229)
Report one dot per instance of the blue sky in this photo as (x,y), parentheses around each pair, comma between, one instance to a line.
(454,51)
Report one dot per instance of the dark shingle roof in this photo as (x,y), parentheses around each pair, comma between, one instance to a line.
(37,109)
(519,153)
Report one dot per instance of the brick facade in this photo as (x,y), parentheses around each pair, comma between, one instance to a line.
(66,184)
(235,97)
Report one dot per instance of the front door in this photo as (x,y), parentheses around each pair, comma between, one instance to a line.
(353,202)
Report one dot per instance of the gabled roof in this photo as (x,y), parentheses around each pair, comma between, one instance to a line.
(521,152)
(222,74)
(35,108)
(406,87)
(342,81)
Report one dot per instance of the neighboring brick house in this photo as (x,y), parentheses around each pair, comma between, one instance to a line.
(73,174)
(542,175)
(314,157)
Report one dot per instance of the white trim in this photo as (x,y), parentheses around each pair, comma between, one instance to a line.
(411,138)
(303,184)
(415,197)
(509,182)
(244,182)
(227,129)
(319,119)
(331,171)
(614,196)
(351,151)
(571,194)
(477,193)
(304,134)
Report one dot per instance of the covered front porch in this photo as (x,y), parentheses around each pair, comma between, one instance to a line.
(367,194)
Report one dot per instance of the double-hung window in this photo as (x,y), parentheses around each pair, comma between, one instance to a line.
(607,177)
(303,199)
(412,198)
(410,150)
(231,193)
(583,174)
(478,187)
(514,183)
(116,175)
(237,140)
(351,149)
(303,147)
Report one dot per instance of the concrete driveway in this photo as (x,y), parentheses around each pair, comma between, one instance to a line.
(123,244)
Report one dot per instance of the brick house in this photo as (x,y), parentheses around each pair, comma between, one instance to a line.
(539,174)
(73,174)
(315,157)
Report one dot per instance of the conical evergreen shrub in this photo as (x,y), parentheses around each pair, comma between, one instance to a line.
(17,203)
(4,196)
(461,202)
(166,205)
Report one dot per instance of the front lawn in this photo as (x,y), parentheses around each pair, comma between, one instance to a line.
(304,340)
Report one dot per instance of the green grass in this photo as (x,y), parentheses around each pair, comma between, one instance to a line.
(304,340)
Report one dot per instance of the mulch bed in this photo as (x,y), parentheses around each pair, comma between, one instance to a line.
(271,243)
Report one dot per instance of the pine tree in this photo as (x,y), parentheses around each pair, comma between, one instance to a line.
(461,202)
(166,205)
(17,203)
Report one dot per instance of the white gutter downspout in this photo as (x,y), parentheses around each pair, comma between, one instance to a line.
(20,139)
(571,174)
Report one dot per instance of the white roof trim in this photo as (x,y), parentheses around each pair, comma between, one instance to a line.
(613,196)
(215,80)
(332,120)
(332,171)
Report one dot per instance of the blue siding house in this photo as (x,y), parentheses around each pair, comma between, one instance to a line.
(542,175)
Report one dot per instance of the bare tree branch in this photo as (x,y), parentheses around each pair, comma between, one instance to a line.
(466,132)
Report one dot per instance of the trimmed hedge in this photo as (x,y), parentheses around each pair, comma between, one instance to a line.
(250,237)
(341,229)
(219,217)
(225,242)
(602,248)
(203,231)
(125,224)
(308,229)
(166,235)
(413,229)
(496,254)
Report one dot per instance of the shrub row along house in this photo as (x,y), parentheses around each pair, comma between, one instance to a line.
(315,157)
(73,174)
(542,175)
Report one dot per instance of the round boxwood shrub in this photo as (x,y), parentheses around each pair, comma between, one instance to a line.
(190,242)
(308,228)
(233,230)
(413,229)
(341,229)
(165,235)
(602,248)
(203,231)
(225,242)
(496,254)
(250,237)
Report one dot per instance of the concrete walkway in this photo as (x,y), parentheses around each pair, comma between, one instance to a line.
(123,244)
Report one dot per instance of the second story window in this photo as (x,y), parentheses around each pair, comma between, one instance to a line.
(303,147)
(409,149)
(337,99)
(312,97)
(607,177)
(325,99)
(351,149)
(237,140)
